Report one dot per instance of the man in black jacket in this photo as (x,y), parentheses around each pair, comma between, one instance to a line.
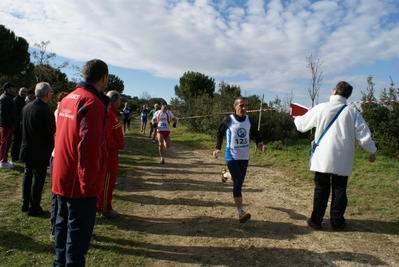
(7,123)
(38,128)
(19,101)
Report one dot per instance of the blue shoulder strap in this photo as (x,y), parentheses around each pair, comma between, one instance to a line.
(329,125)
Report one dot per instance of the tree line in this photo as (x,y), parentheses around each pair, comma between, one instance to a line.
(202,109)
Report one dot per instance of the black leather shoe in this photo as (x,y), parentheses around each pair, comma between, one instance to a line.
(38,213)
(314,225)
(24,209)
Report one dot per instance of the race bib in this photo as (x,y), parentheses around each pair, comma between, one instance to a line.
(162,124)
(240,142)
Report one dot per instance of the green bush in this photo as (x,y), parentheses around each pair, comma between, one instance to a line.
(383,119)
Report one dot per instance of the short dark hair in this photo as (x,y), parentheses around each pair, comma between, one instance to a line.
(344,89)
(240,98)
(94,70)
(31,91)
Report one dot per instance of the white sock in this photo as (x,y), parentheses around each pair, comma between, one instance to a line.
(239,210)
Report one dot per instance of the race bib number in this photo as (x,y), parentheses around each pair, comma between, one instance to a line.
(240,141)
(163,125)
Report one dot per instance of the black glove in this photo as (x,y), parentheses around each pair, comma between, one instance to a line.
(174,125)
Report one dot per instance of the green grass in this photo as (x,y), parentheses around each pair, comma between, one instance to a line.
(193,140)
(24,241)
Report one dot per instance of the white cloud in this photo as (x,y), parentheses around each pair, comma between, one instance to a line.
(262,42)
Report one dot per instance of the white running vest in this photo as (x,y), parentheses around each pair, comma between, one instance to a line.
(163,120)
(237,135)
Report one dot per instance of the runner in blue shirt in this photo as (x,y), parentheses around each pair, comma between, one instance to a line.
(144,114)
(127,114)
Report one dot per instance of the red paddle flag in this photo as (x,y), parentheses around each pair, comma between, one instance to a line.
(297,110)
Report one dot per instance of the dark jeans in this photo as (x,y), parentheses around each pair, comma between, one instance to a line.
(16,144)
(339,200)
(73,229)
(32,187)
(238,170)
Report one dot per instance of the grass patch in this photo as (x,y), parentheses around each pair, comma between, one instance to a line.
(197,140)
(24,241)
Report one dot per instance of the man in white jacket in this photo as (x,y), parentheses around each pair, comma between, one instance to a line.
(333,158)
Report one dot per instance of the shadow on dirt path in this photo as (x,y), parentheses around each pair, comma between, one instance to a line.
(188,217)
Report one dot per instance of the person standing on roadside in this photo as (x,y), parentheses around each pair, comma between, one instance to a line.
(79,164)
(238,128)
(162,118)
(30,96)
(333,158)
(38,128)
(19,101)
(115,142)
(8,121)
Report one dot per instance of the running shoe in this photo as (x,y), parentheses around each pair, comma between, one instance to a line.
(224,179)
(162,161)
(6,165)
(244,217)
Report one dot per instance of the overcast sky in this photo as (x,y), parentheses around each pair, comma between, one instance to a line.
(257,44)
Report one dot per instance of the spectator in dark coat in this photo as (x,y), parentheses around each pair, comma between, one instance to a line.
(19,101)
(38,128)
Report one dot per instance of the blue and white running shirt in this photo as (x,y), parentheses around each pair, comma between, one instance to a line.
(238,139)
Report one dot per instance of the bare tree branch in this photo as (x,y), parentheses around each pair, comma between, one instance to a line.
(289,97)
(314,65)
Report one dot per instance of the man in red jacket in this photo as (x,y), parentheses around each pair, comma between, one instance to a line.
(115,142)
(79,164)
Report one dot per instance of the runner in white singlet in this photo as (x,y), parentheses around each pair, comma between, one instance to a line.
(162,118)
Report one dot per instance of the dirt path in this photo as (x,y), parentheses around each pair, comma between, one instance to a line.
(189,219)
